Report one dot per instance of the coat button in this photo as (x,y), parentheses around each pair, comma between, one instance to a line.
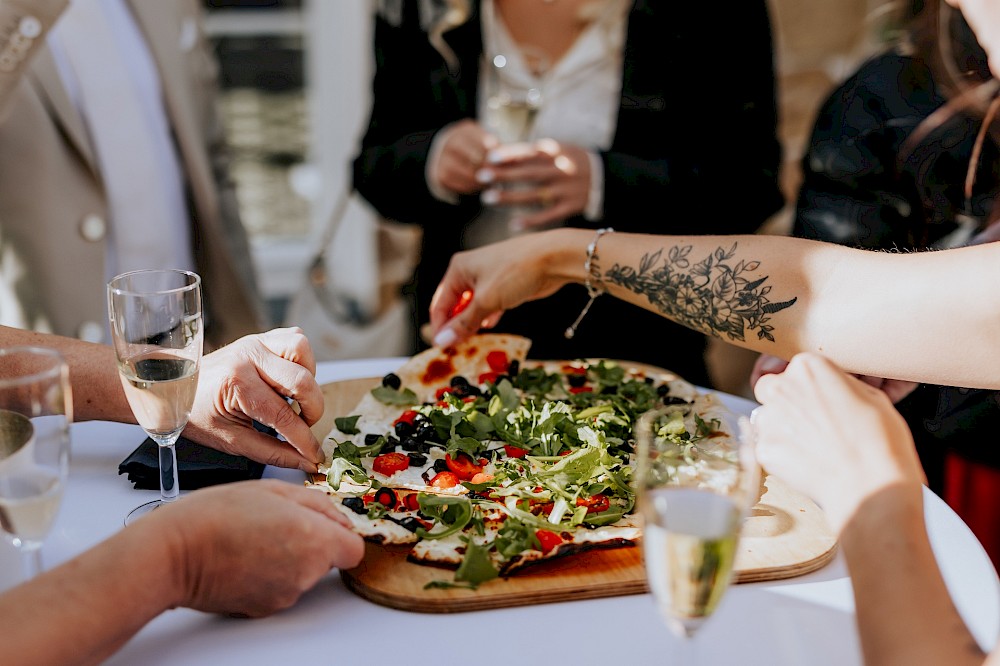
(93,228)
(30,27)
(90,331)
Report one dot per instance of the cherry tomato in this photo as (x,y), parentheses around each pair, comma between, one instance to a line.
(406,417)
(489,377)
(540,508)
(580,389)
(547,540)
(445,480)
(411,503)
(514,451)
(498,362)
(390,463)
(595,503)
(462,465)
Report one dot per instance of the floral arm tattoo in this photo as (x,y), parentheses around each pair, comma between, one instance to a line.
(715,296)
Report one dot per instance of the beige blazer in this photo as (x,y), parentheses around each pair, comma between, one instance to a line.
(52,204)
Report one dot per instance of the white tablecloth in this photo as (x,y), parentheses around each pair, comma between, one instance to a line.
(805,620)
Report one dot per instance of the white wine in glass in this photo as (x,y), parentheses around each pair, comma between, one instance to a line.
(35,415)
(693,497)
(156,326)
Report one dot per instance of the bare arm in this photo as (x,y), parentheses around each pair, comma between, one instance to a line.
(840,441)
(247,380)
(249,549)
(902,316)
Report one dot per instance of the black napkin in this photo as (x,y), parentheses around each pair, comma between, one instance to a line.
(197,466)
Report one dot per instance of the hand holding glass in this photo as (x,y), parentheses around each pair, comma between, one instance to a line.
(156,326)
(35,414)
(694,493)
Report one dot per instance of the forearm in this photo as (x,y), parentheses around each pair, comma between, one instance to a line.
(904,612)
(84,610)
(97,391)
(889,315)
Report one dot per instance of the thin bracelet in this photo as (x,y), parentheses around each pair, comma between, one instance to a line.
(594,288)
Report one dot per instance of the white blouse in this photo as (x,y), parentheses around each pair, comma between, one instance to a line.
(578,101)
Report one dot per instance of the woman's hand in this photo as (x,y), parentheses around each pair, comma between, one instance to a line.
(832,436)
(249,380)
(481,284)
(463,151)
(557,178)
(895,389)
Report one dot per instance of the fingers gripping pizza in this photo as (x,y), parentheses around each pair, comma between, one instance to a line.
(485,462)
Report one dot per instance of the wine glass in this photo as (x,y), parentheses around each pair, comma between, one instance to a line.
(511,105)
(693,493)
(35,415)
(156,326)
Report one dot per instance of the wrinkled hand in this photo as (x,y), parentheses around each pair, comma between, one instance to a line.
(250,379)
(481,284)
(557,175)
(251,548)
(464,149)
(984,18)
(895,389)
(832,436)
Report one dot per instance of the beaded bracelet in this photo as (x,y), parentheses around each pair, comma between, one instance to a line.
(594,288)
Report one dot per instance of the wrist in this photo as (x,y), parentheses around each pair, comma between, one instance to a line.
(900,504)
(566,254)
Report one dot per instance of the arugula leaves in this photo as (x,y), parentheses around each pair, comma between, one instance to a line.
(347,424)
(391,396)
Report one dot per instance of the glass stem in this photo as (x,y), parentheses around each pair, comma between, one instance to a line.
(32,561)
(169,483)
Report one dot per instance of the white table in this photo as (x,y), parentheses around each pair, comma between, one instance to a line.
(805,620)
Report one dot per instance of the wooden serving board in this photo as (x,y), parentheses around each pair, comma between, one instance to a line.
(785,536)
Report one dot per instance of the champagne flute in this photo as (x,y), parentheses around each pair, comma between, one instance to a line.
(693,495)
(511,106)
(156,326)
(35,415)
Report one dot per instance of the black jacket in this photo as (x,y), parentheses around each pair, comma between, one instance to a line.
(695,152)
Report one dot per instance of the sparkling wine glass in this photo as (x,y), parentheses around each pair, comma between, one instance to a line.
(35,415)
(156,326)
(511,106)
(694,492)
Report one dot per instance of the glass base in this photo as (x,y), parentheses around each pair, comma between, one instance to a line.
(143,509)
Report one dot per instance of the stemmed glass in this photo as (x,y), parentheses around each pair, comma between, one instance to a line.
(693,495)
(156,326)
(35,415)
(511,108)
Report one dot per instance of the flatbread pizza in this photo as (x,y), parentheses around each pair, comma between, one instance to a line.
(485,462)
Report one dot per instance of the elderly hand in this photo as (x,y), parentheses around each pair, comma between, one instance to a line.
(895,389)
(250,548)
(557,176)
(832,436)
(249,380)
(464,148)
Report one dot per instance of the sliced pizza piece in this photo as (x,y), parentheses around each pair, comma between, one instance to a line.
(394,521)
